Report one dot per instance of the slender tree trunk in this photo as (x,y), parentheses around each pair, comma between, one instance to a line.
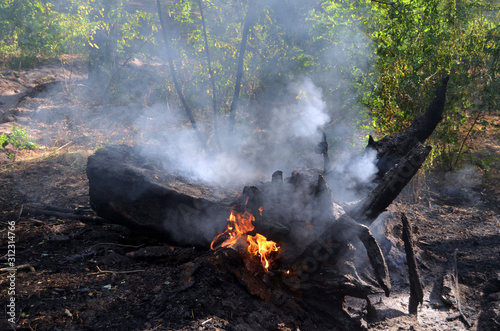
(249,21)
(212,78)
(174,77)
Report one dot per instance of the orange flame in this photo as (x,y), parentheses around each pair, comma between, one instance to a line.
(238,226)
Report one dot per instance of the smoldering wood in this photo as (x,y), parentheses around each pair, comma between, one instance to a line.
(393,182)
(300,212)
(314,232)
(416,288)
(126,189)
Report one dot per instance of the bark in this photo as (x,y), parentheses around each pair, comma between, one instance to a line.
(212,78)
(369,208)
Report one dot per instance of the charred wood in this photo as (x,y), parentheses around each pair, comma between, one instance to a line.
(416,289)
(322,149)
(126,189)
(377,201)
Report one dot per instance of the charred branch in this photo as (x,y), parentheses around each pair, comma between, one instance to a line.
(416,288)
(377,201)
(391,149)
(344,230)
(322,149)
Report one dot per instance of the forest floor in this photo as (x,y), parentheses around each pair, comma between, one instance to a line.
(77,275)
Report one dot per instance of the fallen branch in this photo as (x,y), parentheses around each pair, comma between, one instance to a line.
(118,245)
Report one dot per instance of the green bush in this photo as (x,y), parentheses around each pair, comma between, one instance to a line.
(19,138)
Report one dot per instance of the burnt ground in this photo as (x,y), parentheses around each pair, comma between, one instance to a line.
(75,274)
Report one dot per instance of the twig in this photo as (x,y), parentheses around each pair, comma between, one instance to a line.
(119,245)
(20,213)
(466,137)
(208,320)
(457,291)
(82,218)
(17,268)
(63,146)
(114,272)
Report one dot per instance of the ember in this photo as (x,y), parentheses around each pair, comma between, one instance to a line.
(239,224)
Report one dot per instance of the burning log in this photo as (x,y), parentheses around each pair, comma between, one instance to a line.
(289,233)
(128,190)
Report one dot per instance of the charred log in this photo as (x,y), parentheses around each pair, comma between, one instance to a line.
(127,190)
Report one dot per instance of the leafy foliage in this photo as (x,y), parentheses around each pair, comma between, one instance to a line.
(19,138)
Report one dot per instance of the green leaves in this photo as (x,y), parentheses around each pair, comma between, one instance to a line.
(19,138)
(419,42)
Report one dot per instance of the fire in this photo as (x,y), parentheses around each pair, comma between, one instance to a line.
(239,224)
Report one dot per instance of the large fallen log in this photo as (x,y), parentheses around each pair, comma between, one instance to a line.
(129,190)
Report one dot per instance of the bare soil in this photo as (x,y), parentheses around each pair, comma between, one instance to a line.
(81,275)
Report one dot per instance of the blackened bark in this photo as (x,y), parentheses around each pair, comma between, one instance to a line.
(128,190)
(368,209)
(416,289)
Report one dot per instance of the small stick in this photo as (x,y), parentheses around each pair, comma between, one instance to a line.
(114,272)
(84,219)
(119,245)
(62,146)
(17,268)
(457,291)
(208,320)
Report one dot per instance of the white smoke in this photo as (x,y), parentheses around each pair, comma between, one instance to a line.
(294,131)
